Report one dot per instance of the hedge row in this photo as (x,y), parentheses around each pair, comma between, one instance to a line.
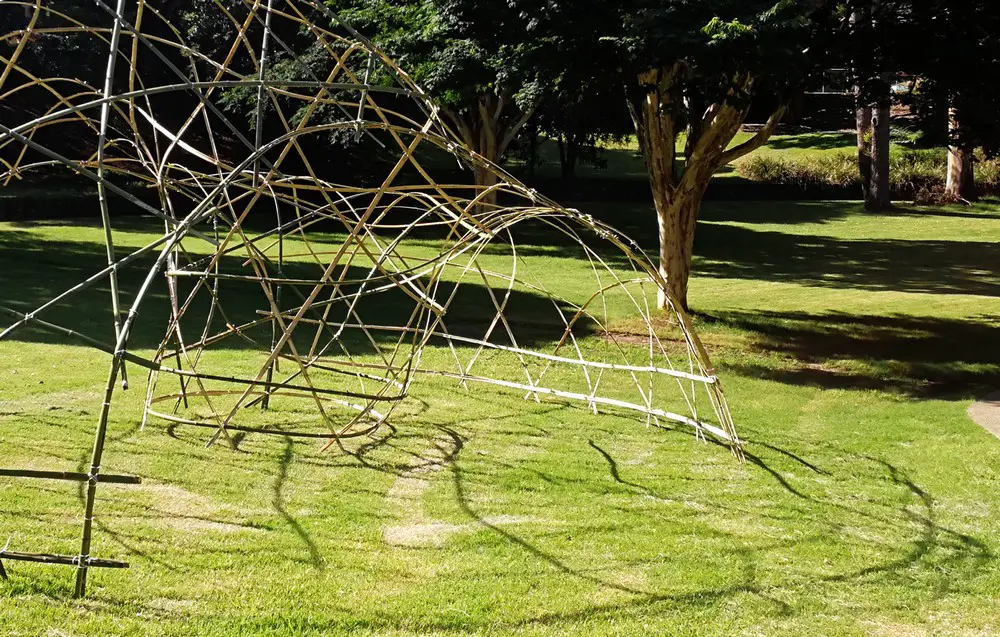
(912,173)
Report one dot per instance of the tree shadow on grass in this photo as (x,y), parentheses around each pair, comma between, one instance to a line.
(804,211)
(917,356)
(813,141)
(932,546)
(735,252)
(911,526)
(926,211)
(34,270)
(638,219)
(916,548)
(783,212)
(937,267)
(278,501)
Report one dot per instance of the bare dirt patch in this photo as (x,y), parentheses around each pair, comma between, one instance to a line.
(416,528)
(436,534)
(179,509)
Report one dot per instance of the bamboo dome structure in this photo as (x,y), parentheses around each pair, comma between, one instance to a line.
(308,296)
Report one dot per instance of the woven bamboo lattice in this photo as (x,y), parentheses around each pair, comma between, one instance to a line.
(293,302)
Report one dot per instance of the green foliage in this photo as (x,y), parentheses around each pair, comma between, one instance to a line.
(66,54)
(719,30)
(828,169)
(905,135)
(912,173)
(457,49)
(716,40)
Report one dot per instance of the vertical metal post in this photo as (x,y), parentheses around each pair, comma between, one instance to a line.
(83,560)
(359,125)
(260,90)
(117,364)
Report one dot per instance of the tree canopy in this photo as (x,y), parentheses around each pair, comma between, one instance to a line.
(484,61)
(690,70)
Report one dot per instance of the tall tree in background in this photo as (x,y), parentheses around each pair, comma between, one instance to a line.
(581,107)
(690,72)
(579,113)
(948,47)
(957,34)
(869,39)
(482,60)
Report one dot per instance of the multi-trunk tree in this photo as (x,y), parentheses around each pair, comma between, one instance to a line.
(690,71)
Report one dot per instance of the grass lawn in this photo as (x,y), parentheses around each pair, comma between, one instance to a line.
(850,346)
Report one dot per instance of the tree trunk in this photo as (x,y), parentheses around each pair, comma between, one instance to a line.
(880,198)
(863,121)
(872,116)
(961,174)
(561,145)
(863,116)
(485,178)
(676,215)
(677,195)
(656,131)
(569,158)
(489,149)
(961,184)
(677,198)
(532,153)
(488,129)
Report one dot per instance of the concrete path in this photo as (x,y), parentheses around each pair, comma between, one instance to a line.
(986,413)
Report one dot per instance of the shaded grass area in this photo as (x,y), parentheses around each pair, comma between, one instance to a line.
(868,505)
(620,173)
(919,356)
(904,302)
(623,160)
(42,260)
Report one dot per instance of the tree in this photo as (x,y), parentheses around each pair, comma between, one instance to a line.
(481,59)
(579,115)
(869,36)
(690,71)
(960,182)
(973,34)
(581,108)
(946,46)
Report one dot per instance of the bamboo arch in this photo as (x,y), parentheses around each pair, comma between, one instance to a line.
(287,286)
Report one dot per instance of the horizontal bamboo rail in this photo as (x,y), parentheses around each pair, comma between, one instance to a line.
(71,476)
(65,560)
